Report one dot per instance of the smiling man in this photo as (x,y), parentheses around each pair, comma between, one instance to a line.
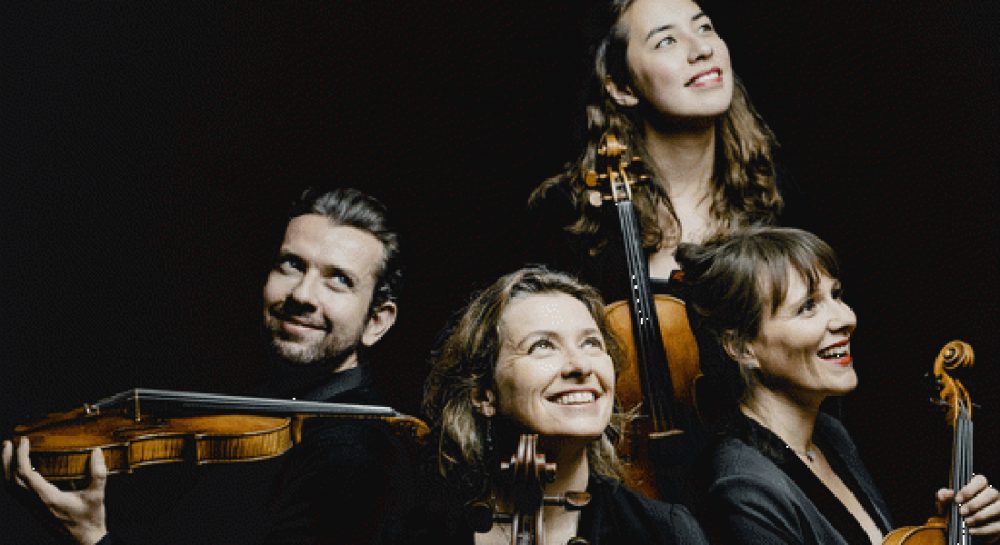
(329,296)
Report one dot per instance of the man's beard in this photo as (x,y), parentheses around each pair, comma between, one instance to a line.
(327,350)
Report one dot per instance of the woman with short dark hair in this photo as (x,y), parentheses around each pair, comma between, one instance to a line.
(783,471)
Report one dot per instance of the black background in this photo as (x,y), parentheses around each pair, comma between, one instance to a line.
(151,149)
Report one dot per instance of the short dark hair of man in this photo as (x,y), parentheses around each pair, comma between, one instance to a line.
(353,208)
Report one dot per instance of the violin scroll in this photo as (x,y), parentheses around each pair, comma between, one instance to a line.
(950,529)
(954,357)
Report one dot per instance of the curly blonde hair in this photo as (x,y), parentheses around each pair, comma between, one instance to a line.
(465,365)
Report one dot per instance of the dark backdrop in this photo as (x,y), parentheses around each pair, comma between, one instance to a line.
(150,150)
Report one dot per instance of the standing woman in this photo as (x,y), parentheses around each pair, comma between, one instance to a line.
(784,472)
(532,354)
(664,84)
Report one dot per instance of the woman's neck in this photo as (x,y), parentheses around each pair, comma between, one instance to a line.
(572,466)
(790,419)
(682,159)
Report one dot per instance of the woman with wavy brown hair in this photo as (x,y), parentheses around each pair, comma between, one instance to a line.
(663,83)
(532,354)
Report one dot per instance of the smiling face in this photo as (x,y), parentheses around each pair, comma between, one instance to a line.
(554,376)
(803,349)
(679,65)
(317,295)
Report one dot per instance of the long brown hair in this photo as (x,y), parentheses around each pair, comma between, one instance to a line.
(743,186)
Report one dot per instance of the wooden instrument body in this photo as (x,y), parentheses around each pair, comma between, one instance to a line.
(931,533)
(682,353)
(60,452)
(133,437)
(661,353)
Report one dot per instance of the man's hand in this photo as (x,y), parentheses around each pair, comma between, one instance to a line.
(81,513)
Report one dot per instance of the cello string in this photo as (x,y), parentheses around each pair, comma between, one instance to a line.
(640,295)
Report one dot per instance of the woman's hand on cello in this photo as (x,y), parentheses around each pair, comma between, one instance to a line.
(81,513)
(980,507)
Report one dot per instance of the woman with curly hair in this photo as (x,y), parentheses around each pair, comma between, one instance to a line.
(532,354)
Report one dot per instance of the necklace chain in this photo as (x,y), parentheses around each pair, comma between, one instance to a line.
(809,453)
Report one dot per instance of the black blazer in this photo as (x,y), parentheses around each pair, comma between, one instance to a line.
(760,492)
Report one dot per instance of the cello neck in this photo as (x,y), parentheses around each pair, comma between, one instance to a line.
(657,390)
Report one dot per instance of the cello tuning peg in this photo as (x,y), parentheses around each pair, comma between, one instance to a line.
(571,501)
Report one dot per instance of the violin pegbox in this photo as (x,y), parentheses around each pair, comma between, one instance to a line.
(614,172)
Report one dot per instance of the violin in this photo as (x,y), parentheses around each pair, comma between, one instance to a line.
(955,398)
(662,361)
(144,427)
(524,478)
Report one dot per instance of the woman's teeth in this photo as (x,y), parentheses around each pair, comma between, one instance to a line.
(575,398)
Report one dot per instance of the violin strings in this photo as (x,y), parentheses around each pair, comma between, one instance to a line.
(961,473)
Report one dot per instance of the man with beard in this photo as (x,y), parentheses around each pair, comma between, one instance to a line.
(329,296)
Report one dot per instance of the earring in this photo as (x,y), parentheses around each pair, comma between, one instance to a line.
(488,441)
(487,411)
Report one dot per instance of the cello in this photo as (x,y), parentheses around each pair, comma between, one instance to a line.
(524,477)
(656,385)
(948,529)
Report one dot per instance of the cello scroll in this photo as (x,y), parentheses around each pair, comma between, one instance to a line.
(525,476)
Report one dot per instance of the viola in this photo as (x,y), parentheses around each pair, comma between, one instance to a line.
(144,427)
(955,398)
(662,361)
(524,480)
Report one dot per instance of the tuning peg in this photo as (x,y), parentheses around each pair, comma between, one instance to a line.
(572,501)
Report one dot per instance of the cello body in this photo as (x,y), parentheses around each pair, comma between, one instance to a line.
(681,348)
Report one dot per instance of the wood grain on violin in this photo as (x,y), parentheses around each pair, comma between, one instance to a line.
(144,427)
